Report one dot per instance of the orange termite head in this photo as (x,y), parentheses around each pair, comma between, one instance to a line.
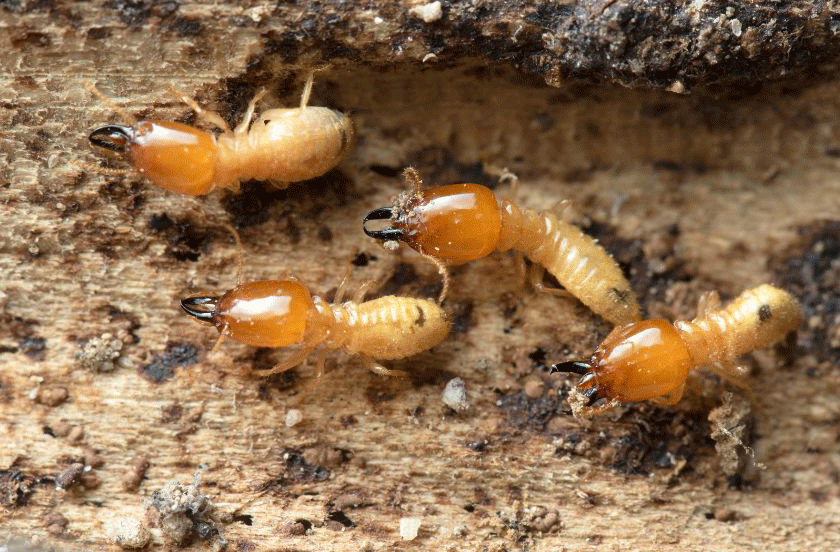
(267,313)
(174,156)
(456,223)
(635,362)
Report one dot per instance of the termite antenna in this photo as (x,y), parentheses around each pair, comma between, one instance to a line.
(240,256)
(112,137)
(412,178)
(444,274)
(342,285)
(95,91)
(573,366)
(385,234)
(219,341)
(201,308)
(100,170)
(307,90)
(208,116)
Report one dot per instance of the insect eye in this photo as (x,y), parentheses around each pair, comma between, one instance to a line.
(112,137)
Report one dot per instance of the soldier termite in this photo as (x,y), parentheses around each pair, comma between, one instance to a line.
(278,313)
(284,145)
(652,358)
(463,222)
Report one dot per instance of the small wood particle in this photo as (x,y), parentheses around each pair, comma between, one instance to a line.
(52,396)
(409,527)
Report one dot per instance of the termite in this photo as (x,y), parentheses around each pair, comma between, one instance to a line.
(651,359)
(463,222)
(283,146)
(279,313)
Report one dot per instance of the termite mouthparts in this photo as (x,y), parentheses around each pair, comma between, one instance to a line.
(112,137)
(582,369)
(386,234)
(201,307)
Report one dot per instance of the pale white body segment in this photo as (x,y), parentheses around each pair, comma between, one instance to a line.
(757,318)
(283,146)
(579,263)
(386,328)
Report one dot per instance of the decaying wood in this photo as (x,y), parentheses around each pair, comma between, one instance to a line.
(108,396)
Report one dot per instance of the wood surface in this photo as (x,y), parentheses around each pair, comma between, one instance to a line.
(713,166)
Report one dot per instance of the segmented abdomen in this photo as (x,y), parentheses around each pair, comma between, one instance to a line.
(578,262)
(391,327)
(288,145)
(757,318)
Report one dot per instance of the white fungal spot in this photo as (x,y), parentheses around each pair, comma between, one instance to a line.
(409,528)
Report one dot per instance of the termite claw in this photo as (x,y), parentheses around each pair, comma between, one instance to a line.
(200,307)
(386,234)
(111,137)
(573,366)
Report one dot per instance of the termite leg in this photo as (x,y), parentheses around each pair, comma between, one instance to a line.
(506,176)
(307,90)
(322,360)
(364,289)
(732,374)
(208,116)
(521,268)
(242,127)
(535,278)
(287,364)
(380,370)
(670,399)
(342,286)
(278,184)
(708,303)
(513,179)
(564,210)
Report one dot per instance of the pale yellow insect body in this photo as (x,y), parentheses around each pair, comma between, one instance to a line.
(755,319)
(278,313)
(651,359)
(386,328)
(576,260)
(283,146)
(463,222)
